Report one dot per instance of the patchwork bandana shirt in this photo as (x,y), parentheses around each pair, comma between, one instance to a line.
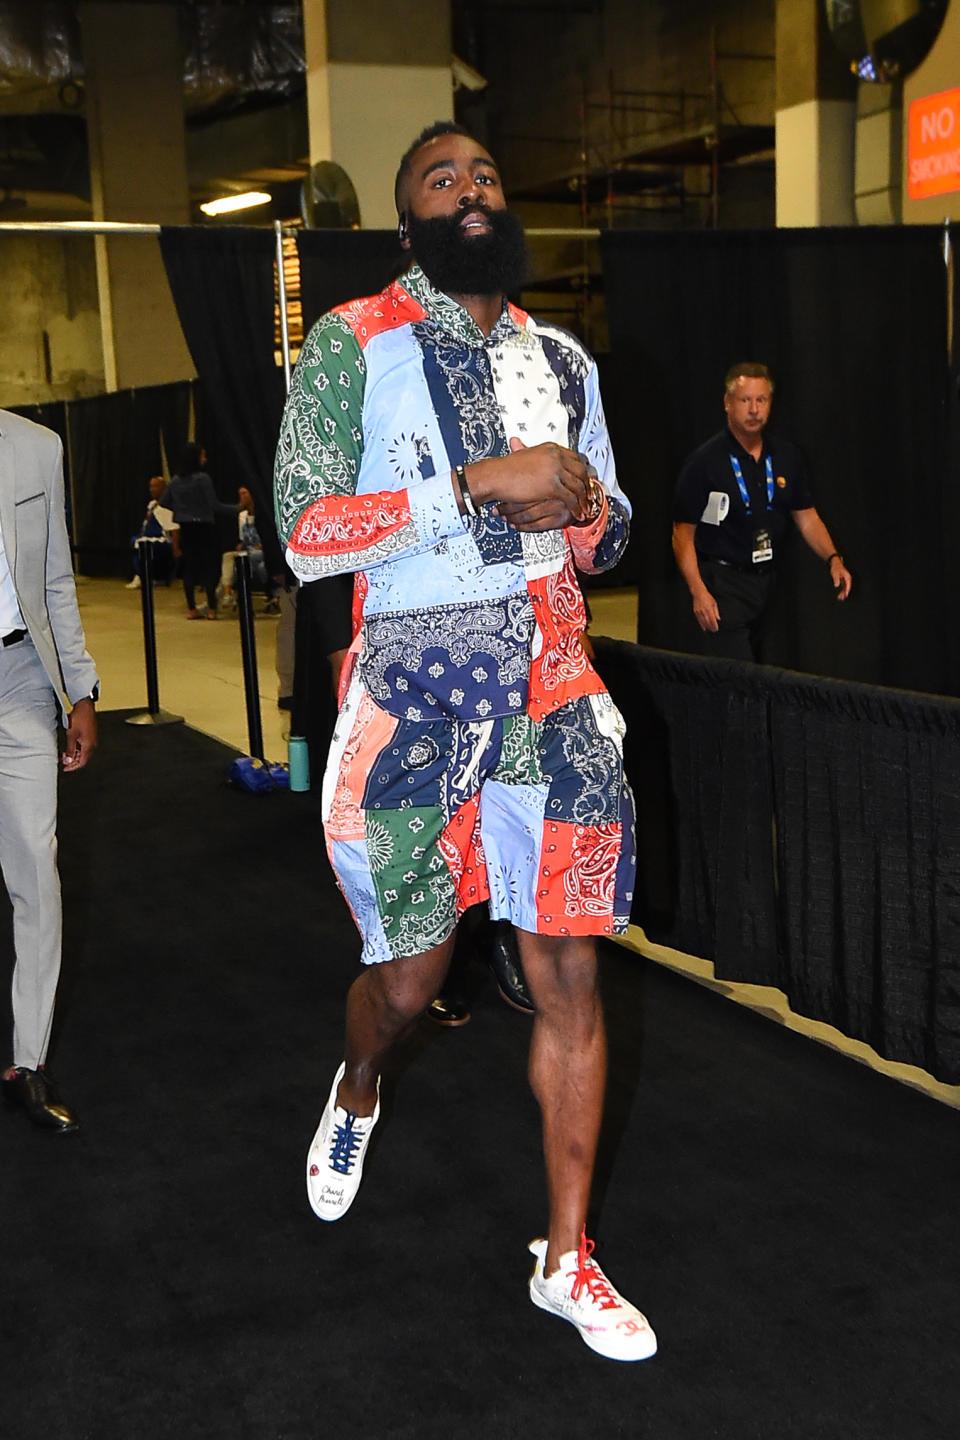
(453,617)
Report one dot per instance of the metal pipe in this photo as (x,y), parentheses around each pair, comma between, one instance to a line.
(81,227)
(117,227)
(248,646)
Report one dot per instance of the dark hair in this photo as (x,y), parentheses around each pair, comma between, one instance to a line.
(430,132)
(753,371)
(191,460)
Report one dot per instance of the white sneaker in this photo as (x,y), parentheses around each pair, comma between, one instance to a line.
(336,1154)
(134,583)
(581,1293)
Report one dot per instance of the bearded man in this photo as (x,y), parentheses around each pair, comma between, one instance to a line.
(452,453)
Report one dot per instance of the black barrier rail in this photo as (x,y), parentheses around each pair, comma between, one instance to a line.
(248,646)
(153,715)
(802,833)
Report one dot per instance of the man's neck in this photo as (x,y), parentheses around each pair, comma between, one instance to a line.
(484,309)
(751,442)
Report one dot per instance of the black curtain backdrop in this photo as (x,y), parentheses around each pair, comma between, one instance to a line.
(801,833)
(112,445)
(116,443)
(222,282)
(340,265)
(853,323)
(335,266)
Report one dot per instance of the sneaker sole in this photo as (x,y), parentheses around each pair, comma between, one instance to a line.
(594,1342)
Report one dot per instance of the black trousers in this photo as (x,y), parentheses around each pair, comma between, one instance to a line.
(201,560)
(742,598)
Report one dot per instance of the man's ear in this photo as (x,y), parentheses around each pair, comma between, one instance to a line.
(402,235)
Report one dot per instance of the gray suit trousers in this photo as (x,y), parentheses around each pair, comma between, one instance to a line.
(28,844)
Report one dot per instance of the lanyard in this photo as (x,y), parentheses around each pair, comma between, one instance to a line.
(744,496)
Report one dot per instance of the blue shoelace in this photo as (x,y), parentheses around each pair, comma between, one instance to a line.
(344,1147)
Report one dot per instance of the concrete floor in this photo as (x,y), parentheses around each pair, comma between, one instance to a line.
(199,664)
(201,678)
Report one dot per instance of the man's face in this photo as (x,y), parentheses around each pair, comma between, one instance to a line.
(454,175)
(457,221)
(748,406)
(245,498)
(157,486)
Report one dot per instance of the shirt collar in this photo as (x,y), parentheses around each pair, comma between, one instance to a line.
(447,315)
(745,454)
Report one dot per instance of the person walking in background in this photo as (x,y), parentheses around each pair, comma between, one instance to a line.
(44,671)
(193,500)
(733,501)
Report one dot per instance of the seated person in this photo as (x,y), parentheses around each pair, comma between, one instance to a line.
(158,526)
(250,542)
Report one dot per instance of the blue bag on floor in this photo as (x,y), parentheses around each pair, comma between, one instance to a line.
(257,776)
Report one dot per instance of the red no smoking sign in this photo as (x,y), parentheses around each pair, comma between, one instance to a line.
(933,150)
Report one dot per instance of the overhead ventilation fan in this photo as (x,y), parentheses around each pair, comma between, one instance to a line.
(328,200)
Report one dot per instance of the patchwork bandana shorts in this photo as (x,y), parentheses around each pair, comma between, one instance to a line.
(424,819)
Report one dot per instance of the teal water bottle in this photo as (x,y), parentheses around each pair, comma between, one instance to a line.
(299,757)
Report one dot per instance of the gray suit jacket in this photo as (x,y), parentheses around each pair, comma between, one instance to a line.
(38,552)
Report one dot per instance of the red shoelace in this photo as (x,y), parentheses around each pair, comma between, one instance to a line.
(588,1277)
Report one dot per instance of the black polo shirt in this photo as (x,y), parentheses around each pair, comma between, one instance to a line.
(709,469)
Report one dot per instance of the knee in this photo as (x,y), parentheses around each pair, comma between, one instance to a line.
(562,975)
(403,993)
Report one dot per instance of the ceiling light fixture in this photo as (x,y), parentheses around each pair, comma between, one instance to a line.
(226,203)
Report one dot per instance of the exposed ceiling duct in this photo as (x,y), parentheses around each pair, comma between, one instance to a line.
(239,58)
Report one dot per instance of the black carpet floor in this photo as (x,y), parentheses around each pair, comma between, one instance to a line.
(787,1219)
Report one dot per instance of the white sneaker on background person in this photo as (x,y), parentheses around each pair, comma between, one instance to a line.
(134,583)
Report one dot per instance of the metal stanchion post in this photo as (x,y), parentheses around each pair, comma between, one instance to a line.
(153,715)
(248,646)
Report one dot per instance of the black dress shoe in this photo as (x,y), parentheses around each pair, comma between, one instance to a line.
(36,1094)
(448,1010)
(503,957)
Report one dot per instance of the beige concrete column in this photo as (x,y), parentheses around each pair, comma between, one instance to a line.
(376,74)
(134,87)
(815,116)
(878,170)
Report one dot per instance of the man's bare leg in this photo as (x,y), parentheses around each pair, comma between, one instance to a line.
(383,1003)
(568,1067)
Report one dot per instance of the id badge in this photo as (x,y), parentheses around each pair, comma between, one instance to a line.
(762,547)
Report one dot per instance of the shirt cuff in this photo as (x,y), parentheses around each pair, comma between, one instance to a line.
(584,539)
(434,509)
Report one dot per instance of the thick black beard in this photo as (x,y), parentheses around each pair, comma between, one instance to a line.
(459,264)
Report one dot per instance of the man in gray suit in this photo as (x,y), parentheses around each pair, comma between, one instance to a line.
(45,675)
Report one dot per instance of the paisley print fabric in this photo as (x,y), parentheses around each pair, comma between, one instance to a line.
(476,756)
(428,819)
(389,394)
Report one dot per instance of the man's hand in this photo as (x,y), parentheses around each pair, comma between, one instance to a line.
(81,738)
(706,610)
(540,487)
(840,577)
(544,515)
